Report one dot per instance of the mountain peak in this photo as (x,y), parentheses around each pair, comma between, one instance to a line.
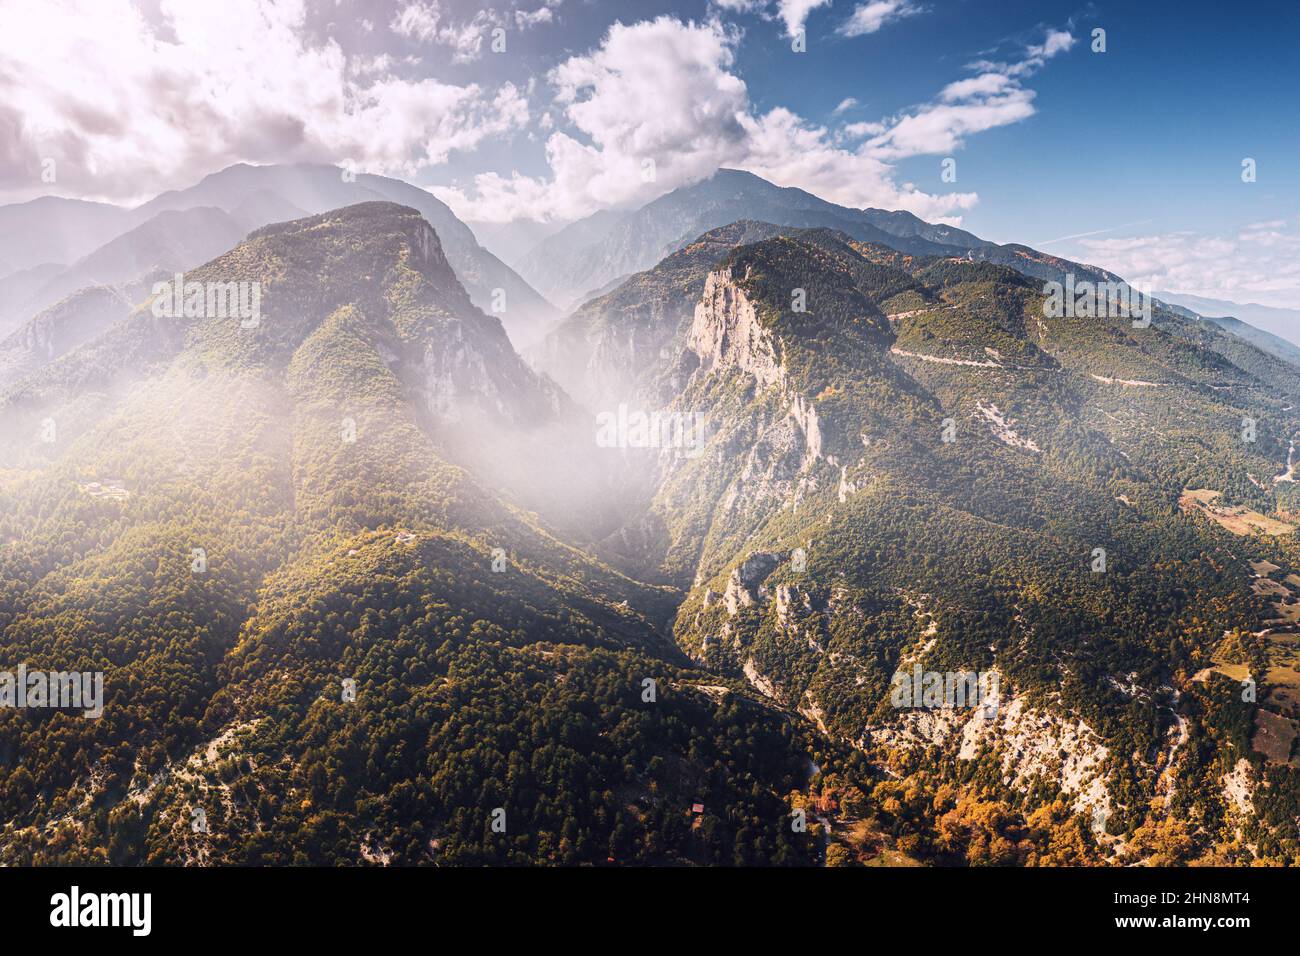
(727,174)
(63,231)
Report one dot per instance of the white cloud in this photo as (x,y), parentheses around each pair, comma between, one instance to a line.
(126,106)
(98,86)
(525,19)
(1058,41)
(423,20)
(940,128)
(993,98)
(657,91)
(789,152)
(1260,263)
(861,130)
(794,13)
(866,18)
(419,20)
(662,92)
(986,84)
(870,17)
(1035,55)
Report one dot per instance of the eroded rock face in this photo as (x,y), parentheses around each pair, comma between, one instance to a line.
(451,370)
(469,364)
(1030,744)
(804,414)
(726,332)
(757,567)
(744,586)
(779,453)
(460,370)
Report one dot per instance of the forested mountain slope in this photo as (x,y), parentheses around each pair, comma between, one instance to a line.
(925,466)
(235,519)
(365,587)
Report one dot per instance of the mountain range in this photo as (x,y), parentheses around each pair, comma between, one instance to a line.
(52,247)
(1279,323)
(594,254)
(374,578)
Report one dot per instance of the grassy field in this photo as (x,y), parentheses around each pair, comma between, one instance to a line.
(1274,736)
(1235,518)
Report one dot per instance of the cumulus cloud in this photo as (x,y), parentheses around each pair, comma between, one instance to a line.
(658,92)
(870,17)
(788,151)
(1258,263)
(660,96)
(127,106)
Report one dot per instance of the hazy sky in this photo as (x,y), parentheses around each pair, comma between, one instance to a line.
(1131,158)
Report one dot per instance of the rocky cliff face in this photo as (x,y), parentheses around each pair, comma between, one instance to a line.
(629,345)
(1030,744)
(495,413)
(460,369)
(726,332)
(777,454)
(745,585)
(422,319)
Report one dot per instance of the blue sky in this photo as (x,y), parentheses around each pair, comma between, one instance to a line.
(1129,158)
